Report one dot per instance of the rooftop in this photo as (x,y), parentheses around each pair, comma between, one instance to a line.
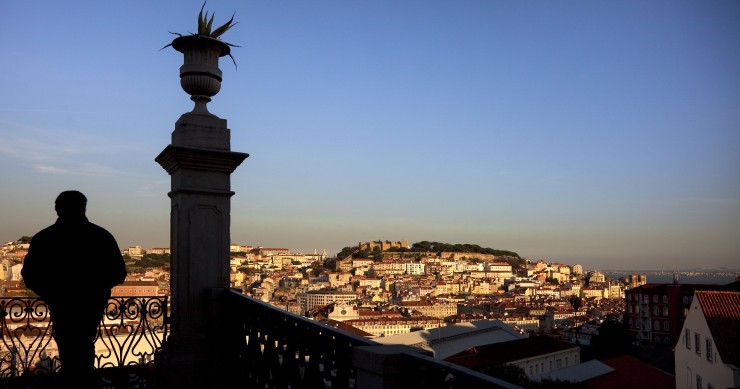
(722,313)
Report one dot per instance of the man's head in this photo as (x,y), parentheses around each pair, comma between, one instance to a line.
(70,203)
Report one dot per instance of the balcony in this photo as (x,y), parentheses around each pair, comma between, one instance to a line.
(129,336)
(268,348)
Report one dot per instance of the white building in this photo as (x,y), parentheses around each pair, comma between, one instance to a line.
(315,298)
(578,269)
(134,251)
(708,352)
(417,268)
(15,272)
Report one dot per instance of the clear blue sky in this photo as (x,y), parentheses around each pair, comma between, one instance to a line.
(605,133)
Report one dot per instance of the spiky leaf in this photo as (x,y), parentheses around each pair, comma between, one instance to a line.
(201,21)
(225,27)
(210,24)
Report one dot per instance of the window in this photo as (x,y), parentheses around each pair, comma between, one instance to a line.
(656,311)
(698,381)
(697,342)
(666,326)
(709,350)
(665,298)
(687,338)
(656,325)
(655,298)
(685,299)
(558,363)
(665,311)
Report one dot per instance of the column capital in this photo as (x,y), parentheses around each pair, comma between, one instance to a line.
(173,158)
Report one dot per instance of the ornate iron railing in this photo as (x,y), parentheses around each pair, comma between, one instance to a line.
(279,349)
(273,348)
(130,334)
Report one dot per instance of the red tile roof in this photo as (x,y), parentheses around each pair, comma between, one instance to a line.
(506,352)
(722,313)
(348,328)
(630,372)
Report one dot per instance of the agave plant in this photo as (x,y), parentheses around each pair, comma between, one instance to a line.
(205,24)
(204,28)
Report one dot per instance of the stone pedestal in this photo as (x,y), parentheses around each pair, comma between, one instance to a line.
(199,162)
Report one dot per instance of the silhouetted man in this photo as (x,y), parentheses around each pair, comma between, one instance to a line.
(72,265)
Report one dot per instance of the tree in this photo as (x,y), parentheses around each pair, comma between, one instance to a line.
(346,252)
(330,264)
(25,239)
(575,301)
(248,270)
(316,268)
(614,338)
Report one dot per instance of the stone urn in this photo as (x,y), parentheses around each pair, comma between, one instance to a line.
(200,75)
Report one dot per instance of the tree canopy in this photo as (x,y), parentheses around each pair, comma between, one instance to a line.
(427,246)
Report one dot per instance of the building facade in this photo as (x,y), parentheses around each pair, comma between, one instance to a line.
(656,312)
(314,298)
(708,354)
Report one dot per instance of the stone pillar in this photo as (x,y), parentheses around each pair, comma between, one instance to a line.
(200,162)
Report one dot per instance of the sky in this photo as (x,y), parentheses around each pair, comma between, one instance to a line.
(603,133)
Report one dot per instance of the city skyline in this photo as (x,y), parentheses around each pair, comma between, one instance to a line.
(604,134)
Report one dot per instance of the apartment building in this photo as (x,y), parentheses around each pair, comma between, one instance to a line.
(313,298)
(430,308)
(387,326)
(136,289)
(708,353)
(534,355)
(656,312)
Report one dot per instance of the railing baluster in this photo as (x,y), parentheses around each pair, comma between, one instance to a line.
(131,332)
(325,355)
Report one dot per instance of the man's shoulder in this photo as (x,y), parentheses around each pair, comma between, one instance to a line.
(100,230)
(50,230)
(98,227)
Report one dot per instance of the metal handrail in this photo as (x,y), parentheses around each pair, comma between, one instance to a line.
(131,332)
(279,349)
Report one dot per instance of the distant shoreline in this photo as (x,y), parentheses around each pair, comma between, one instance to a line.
(693,276)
